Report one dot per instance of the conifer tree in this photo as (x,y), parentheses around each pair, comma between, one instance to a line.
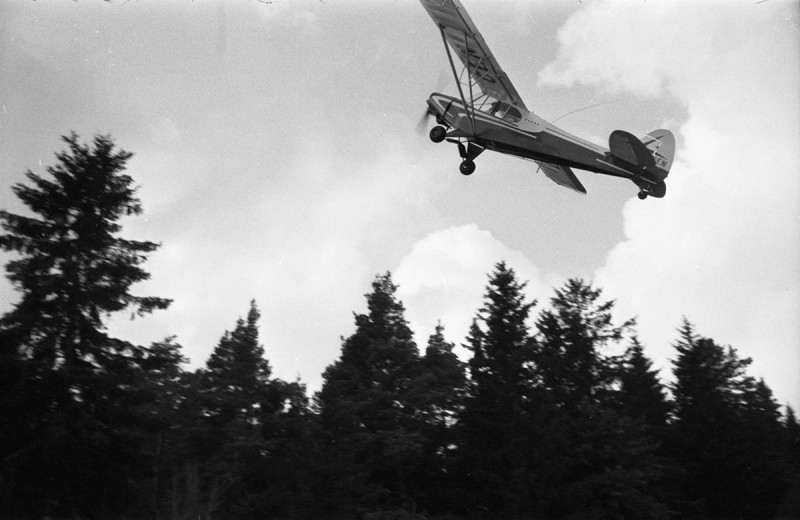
(237,375)
(726,432)
(367,410)
(438,397)
(599,461)
(501,350)
(792,428)
(442,381)
(238,438)
(71,386)
(495,429)
(573,333)
(641,392)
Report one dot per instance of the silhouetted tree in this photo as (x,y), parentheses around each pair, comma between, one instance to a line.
(367,411)
(70,444)
(792,427)
(230,467)
(438,396)
(599,461)
(641,393)
(726,432)
(494,425)
(573,334)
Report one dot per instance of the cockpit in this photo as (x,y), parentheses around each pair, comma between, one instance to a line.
(505,112)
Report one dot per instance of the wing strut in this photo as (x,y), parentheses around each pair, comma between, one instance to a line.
(467,106)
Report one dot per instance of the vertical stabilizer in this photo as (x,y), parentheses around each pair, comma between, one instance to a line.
(661,143)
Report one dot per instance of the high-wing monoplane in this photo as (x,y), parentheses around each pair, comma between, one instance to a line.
(489,114)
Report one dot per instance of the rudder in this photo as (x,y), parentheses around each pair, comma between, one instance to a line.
(661,143)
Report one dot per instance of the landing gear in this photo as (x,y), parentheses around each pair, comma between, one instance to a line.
(467,167)
(438,133)
(467,149)
(642,195)
(468,154)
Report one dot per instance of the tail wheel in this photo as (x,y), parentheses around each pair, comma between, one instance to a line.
(642,195)
(438,133)
(467,167)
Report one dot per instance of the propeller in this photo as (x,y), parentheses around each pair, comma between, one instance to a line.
(441,82)
(422,125)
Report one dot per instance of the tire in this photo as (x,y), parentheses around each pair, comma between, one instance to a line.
(467,167)
(438,133)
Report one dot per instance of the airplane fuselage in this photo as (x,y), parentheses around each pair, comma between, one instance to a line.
(521,133)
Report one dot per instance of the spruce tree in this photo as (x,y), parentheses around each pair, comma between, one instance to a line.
(573,335)
(494,425)
(71,388)
(438,396)
(368,414)
(726,432)
(641,393)
(792,432)
(237,462)
(237,375)
(595,459)
(442,381)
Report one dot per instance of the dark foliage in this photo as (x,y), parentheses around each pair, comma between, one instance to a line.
(543,421)
(725,434)
(71,394)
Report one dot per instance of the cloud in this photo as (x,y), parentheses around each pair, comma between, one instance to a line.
(305,244)
(723,247)
(445,275)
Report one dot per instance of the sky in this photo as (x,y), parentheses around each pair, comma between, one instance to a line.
(277,159)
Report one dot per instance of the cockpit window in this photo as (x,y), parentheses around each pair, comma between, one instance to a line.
(505,112)
(512,115)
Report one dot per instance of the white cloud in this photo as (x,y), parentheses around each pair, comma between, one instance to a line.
(305,245)
(445,275)
(723,247)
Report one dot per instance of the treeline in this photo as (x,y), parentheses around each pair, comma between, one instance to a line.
(557,414)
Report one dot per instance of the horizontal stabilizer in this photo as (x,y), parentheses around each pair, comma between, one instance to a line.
(562,175)
(628,149)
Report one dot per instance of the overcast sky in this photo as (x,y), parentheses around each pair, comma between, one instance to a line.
(277,159)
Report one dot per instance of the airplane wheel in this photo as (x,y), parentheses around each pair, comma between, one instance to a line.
(438,133)
(642,195)
(467,167)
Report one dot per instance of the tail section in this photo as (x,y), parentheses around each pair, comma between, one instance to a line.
(661,143)
(648,159)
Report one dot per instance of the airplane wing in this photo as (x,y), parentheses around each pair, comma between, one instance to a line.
(460,32)
(562,175)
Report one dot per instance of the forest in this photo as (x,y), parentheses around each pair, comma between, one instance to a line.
(557,414)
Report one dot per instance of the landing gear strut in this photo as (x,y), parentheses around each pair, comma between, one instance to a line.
(468,154)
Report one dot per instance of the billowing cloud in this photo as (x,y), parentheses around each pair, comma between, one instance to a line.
(723,247)
(304,245)
(445,275)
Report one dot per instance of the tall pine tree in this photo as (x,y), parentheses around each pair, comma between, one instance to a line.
(439,399)
(726,433)
(69,388)
(237,463)
(573,334)
(367,412)
(595,460)
(494,425)
(641,392)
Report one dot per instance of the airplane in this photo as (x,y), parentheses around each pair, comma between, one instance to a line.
(489,114)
